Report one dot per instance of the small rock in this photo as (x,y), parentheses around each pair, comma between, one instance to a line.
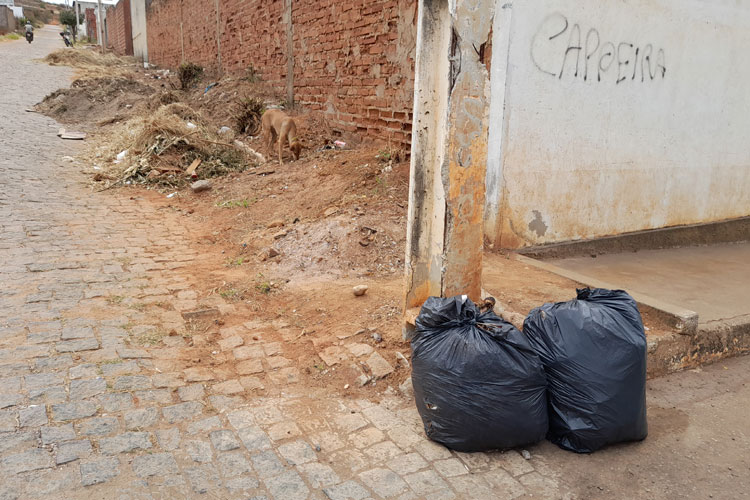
(379,366)
(317,447)
(402,359)
(526,455)
(152,174)
(377,337)
(276,223)
(330,211)
(199,186)
(406,388)
(279,235)
(272,252)
(360,290)
(363,380)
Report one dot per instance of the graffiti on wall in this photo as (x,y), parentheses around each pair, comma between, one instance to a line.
(564,49)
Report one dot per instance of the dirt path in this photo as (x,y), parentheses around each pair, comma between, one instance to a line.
(114,381)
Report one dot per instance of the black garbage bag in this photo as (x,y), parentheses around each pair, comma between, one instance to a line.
(477,382)
(594,353)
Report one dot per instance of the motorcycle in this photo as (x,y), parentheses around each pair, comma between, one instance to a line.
(29,36)
(66,39)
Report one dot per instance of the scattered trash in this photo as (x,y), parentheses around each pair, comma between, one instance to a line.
(199,186)
(209,88)
(121,155)
(594,353)
(190,172)
(73,136)
(97,168)
(478,385)
(360,290)
(339,144)
(171,195)
(191,125)
(225,130)
(526,455)
(250,151)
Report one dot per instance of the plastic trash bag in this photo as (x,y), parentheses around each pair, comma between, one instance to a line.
(594,353)
(477,382)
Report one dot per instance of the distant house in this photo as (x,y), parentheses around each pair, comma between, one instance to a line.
(88,15)
(7,19)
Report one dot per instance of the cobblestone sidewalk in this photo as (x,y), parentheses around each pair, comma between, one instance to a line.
(87,412)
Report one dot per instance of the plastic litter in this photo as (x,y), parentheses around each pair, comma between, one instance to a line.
(594,353)
(340,144)
(225,130)
(191,125)
(478,384)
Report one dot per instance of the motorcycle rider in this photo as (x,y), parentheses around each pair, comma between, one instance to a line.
(29,27)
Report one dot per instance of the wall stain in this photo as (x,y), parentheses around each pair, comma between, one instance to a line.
(537,225)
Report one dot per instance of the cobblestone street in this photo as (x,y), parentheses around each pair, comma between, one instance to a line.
(88,409)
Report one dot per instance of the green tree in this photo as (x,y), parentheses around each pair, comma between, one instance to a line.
(68,18)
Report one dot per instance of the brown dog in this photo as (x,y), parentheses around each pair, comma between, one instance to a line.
(277,124)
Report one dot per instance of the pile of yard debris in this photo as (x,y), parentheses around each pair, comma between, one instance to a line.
(160,147)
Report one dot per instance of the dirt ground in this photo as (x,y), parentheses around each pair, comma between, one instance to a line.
(286,244)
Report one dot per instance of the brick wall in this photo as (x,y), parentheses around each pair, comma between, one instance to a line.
(119,28)
(353,60)
(91,29)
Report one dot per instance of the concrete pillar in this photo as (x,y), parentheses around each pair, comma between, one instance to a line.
(449,150)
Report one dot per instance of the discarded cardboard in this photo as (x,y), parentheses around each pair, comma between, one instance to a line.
(193,166)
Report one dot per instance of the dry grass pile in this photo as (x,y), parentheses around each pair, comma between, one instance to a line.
(161,146)
(89,62)
(248,115)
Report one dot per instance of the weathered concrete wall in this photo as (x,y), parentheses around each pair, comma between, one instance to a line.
(617,116)
(138,29)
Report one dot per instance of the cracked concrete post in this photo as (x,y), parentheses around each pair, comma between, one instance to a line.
(449,152)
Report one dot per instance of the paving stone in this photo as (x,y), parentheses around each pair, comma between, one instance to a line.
(267,464)
(384,482)
(158,464)
(51,483)
(116,402)
(379,367)
(350,422)
(382,452)
(359,349)
(251,383)
(161,396)
(18,440)
(53,435)
(199,451)
(132,383)
(285,376)
(288,485)
(249,367)
(169,439)
(141,418)
(11,384)
(276,362)
(224,440)
(99,470)
(328,441)
(426,481)
(380,417)
(233,464)
(241,419)
(26,461)
(99,426)
(242,483)
(283,430)
(120,368)
(48,395)
(125,442)
(171,380)
(205,425)
(366,437)
(41,380)
(318,475)
(230,343)
(72,332)
(84,389)
(132,353)
(72,450)
(87,370)
(228,387)
(297,452)
(266,415)
(193,392)
(73,411)
(432,451)
(513,462)
(450,467)
(542,487)
(254,438)
(182,411)
(475,461)
(203,478)
(77,345)
(198,374)
(349,490)
(33,416)
(248,352)
(406,464)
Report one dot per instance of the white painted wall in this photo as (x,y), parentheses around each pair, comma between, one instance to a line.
(627,142)
(138,22)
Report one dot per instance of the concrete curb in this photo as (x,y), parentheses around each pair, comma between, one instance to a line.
(683,320)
